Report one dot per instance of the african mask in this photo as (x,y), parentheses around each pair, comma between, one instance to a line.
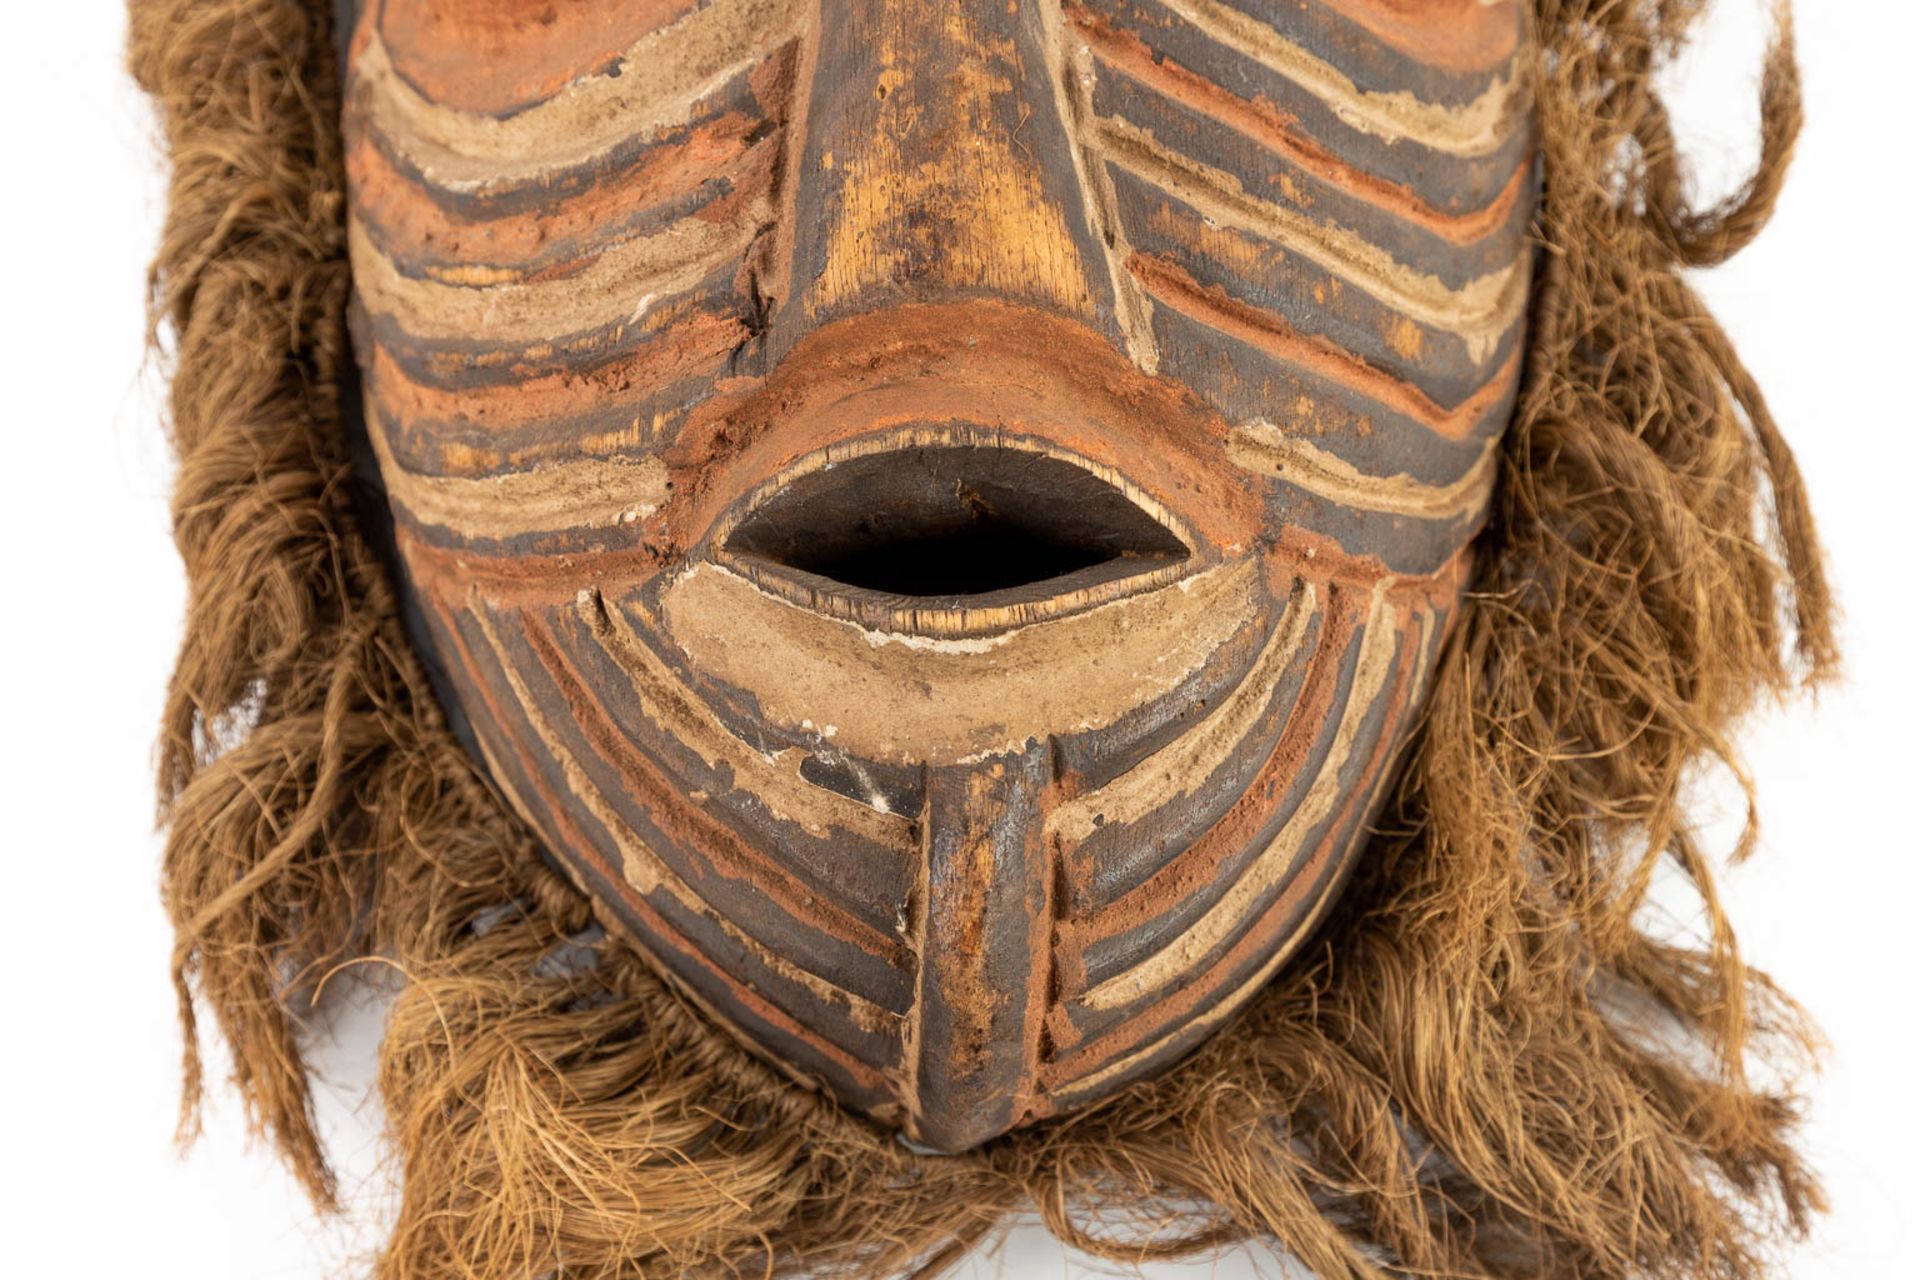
(941,514)
(926,549)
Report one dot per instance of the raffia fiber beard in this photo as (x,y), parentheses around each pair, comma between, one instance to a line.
(1488,1063)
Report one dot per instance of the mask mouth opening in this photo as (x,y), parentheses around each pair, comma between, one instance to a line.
(954,522)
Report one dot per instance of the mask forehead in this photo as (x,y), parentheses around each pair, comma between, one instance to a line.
(940,515)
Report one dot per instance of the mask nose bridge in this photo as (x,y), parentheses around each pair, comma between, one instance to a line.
(934,161)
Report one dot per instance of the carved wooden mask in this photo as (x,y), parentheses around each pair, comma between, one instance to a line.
(940,513)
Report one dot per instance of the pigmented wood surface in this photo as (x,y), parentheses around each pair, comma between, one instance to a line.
(630,276)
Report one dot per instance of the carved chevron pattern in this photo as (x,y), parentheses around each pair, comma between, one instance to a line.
(1276,255)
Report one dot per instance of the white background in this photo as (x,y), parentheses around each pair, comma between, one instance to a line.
(90,606)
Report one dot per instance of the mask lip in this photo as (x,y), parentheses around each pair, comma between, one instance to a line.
(1172,554)
(960,616)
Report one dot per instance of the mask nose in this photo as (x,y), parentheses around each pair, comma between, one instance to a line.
(936,161)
